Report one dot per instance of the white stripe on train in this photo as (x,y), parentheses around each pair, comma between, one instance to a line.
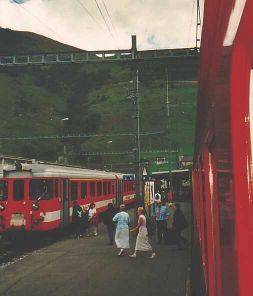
(56,215)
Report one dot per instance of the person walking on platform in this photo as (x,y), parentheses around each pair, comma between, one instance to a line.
(107,219)
(85,218)
(77,218)
(142,241)
(179,223)
(92,220)
(122,230)
(161,216)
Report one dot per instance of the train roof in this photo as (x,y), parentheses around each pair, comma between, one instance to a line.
(50,170)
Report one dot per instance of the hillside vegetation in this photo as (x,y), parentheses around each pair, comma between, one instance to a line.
(94,97)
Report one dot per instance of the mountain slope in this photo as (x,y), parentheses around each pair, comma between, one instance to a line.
(20,42)
(33,100)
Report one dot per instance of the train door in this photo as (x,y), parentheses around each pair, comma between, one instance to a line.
(19,214)
(119,193)
(65,202)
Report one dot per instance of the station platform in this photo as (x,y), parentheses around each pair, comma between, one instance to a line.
(90,266)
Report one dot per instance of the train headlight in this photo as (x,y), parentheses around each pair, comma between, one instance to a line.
(2,207)
(35,206)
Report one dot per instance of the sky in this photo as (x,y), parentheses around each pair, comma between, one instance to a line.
(105,24)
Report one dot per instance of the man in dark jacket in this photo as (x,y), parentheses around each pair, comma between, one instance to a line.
(107,219)
(77,218)
(179,223)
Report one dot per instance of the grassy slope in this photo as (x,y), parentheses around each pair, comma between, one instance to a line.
(32,102)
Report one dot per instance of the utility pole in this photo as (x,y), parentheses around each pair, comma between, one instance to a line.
(168,126)
(135,97)
(198,27)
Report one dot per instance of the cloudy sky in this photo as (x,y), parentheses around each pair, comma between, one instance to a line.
(105,24)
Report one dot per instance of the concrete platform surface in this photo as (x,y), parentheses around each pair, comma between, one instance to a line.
(89,266)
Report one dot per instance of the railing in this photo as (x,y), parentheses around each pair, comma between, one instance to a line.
(96,56)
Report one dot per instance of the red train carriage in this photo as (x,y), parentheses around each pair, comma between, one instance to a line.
(222,178)
(40,197)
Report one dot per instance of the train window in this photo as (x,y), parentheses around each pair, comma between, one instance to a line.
(83,190)
(73,189)
(109,187)
(18,190)
(3,190)
(104,188)
(92,188)
(41,189)
(99,188)
(56,191)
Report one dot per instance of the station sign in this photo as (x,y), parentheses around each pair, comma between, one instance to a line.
(147,178)
(128,177)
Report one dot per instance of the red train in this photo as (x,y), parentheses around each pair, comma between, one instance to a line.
(39,197)
(223,175)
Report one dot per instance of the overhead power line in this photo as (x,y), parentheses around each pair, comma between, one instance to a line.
(107,26)
(125,152)
(89,13)
(78,136)
(109,16)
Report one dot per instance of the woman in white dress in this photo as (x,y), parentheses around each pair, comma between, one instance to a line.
(122,230)
(142,241)
(92,220)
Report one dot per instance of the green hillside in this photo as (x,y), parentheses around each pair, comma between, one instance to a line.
(33,100)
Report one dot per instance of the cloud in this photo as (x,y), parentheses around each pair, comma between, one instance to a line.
(79,23)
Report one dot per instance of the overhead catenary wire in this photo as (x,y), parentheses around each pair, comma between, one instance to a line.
(106,23)
(90,14)
(69,136)
(109,17)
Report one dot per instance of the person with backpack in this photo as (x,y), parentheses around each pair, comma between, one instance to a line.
(179,224)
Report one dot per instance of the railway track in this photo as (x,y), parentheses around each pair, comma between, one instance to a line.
(13,249)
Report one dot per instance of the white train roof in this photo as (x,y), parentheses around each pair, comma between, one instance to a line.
(50,170)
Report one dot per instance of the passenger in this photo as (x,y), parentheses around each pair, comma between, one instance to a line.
(77,218)
(92,220)
(158,197)
(179,223)
(161,217)
(142,241)
(107,219)
(122,230)
(169,197)
(85,219)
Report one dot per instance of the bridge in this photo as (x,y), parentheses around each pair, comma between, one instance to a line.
(98,56)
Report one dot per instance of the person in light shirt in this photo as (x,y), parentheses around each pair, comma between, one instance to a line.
(161,217)
(93,220)
(122,230)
